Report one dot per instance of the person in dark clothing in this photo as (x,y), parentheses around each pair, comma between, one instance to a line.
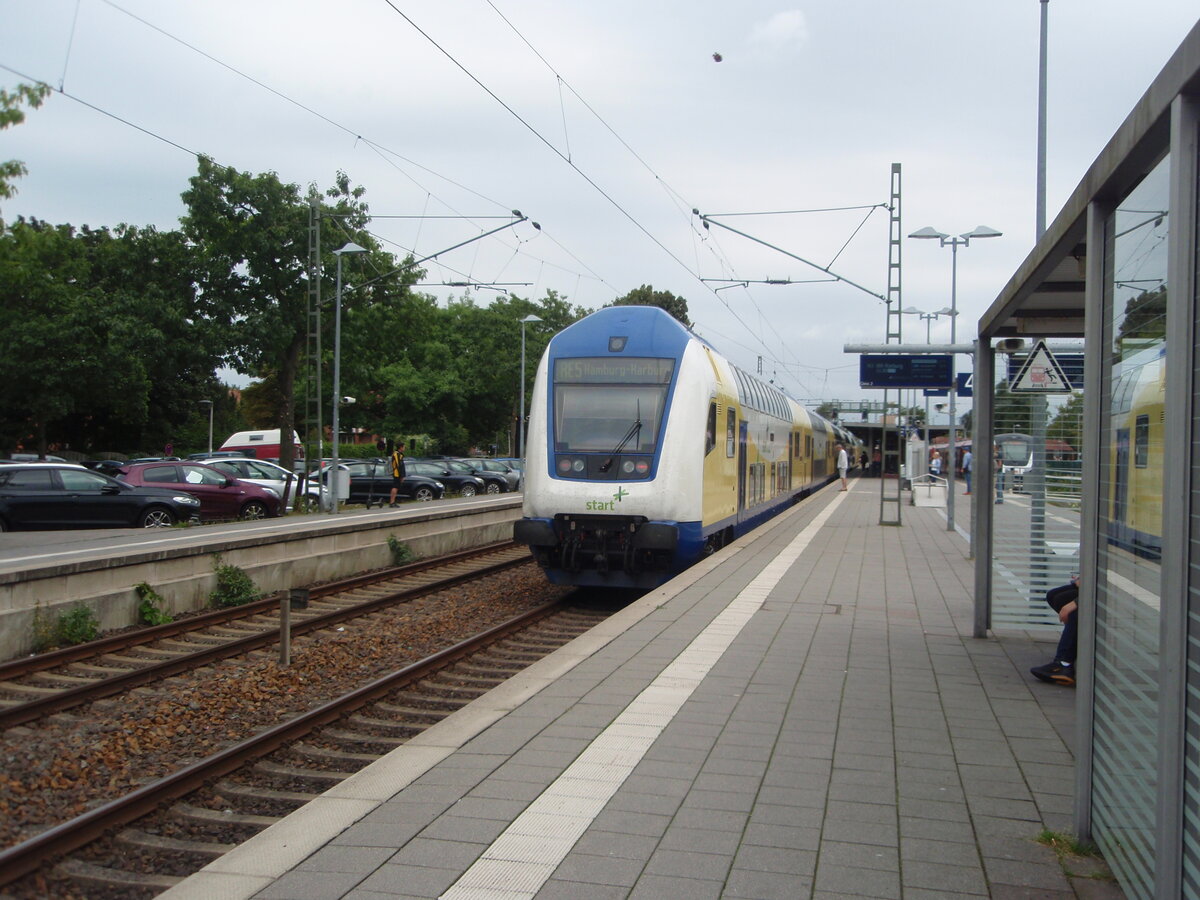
(1064,600)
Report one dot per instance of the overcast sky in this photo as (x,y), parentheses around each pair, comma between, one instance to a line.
(607,123)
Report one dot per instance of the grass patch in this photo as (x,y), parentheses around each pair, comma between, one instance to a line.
(1065,845)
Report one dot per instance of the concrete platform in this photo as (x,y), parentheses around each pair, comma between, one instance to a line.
(804,714)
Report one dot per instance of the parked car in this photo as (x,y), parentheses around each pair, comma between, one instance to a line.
(51,495)
(221,495)
(371,480)
(458,478)
(486,468)
(111,467)
(264,474)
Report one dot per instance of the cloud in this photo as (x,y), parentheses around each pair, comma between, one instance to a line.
(783,30)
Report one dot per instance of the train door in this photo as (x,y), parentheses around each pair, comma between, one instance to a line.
(1120,492)
(741,464)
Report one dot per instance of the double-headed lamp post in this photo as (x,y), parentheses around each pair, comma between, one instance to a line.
(928,318)
(334,474)
(528,320)
(929,233)
(209,404)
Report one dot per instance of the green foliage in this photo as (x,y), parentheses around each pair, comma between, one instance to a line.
(234,586)
(401,553)
(45,630)
(151,609)
(12,114)
(78,625)
(1066,844)
(646,295)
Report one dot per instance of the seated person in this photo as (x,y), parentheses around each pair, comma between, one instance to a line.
(1064,600)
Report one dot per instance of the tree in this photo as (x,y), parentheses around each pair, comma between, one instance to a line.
(647,296)
(250,233)
(1067,424)
(97,333)
(12,114)
(828,410)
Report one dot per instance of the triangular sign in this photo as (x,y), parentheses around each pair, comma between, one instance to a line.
(1041,374)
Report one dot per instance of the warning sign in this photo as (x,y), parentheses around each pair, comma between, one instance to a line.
(1041,374)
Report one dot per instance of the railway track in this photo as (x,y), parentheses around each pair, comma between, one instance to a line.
(37,686)
(142,843)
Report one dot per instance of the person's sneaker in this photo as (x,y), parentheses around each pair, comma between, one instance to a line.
(1055,672)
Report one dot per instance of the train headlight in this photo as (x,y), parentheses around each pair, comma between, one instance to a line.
(577,465)
(627,467)
(642,467)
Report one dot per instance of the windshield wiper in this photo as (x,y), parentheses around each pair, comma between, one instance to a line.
(634,429)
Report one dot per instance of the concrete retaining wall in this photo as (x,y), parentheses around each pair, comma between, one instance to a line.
(185,576)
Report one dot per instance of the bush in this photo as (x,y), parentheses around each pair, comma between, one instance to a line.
(234,586)
(401,553)
(151,608)
(78,626)
(45,630)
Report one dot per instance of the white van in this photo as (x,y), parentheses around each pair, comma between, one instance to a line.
(261,444)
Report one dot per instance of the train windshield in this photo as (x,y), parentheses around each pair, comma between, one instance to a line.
(598,401)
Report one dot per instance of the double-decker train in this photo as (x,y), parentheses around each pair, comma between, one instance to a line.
(648,450)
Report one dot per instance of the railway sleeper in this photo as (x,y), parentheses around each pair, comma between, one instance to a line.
(415,715)
(28,690)
(364,739)
(186,812)
(291,774)
(62,680)
(91,875)
(306,750)
(252,797)
(428,702)
(405,730)
(84,668)
(484,665)
(135,837)
(485,680)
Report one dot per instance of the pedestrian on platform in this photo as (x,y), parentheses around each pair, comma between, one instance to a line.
(966,468)
(935,463)
(843,463)
(1063,600)
(397,460)
(876,462)
(999,476)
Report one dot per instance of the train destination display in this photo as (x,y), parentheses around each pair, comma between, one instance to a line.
(897,370)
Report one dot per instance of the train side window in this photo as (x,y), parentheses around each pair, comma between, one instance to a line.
(710,430)
(730,433)
(1141,442)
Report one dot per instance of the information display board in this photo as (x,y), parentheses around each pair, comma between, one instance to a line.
(898,370)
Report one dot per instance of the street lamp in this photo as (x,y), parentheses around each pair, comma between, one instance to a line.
(334,475)
(927,233)
(209,404)
(928,318)
(529,319)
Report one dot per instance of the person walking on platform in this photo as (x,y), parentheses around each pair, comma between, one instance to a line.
(966,468)
(935,463)
(397,460)
(1063,600)
(999,476)
(843,464)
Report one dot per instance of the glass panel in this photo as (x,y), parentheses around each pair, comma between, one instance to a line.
(1128,580)
(602,404)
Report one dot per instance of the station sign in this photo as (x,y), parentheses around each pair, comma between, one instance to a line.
(964,386)
(899,370)
(1040,373)
(1070,364)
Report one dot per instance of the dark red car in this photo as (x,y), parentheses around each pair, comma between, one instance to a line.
(221,496)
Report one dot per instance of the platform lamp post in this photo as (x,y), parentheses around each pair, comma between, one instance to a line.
(928,318)
(928,233)
(334,474)
(209,404)
(528,320)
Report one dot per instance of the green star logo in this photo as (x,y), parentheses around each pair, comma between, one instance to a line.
(621,492)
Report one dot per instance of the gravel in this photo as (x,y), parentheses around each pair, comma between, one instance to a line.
(53,770)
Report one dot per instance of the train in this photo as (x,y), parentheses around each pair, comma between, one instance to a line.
(1138,456)
(647,450)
